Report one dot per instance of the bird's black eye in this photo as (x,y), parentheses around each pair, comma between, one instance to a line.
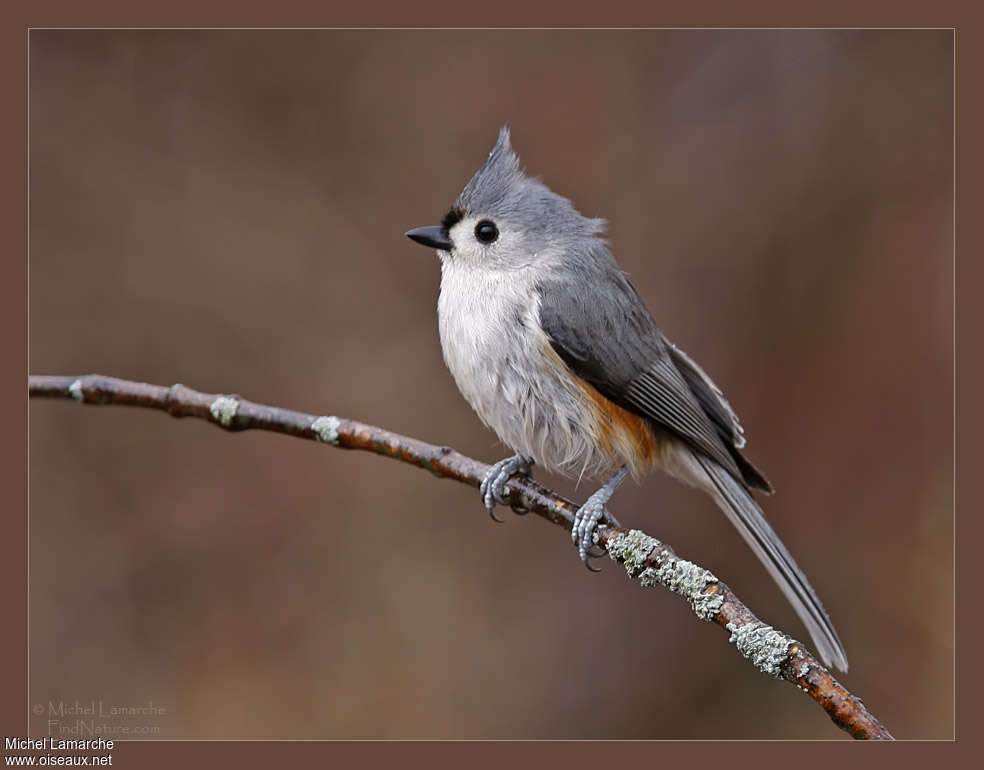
(486,231)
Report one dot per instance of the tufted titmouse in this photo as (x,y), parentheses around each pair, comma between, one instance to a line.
(548,341)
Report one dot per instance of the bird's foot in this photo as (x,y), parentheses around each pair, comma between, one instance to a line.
(589,515)
(493,488)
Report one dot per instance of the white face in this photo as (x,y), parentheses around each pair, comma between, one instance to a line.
(488,243)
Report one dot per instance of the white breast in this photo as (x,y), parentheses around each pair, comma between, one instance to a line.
(498,355)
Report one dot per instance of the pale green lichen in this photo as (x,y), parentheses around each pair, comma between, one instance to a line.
(765,647)
(223,410)
(632,548)
(707,606)
(326,429)
(804,668)
(76,390)
(680,576)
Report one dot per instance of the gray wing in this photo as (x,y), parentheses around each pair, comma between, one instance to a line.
(721,414)
(611,341)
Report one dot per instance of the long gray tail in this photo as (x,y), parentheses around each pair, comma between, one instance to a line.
(747,517)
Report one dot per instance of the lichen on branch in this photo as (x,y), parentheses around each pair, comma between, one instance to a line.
(646,560)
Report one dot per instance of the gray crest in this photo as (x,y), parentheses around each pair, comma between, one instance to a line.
(495,180)
(500,188)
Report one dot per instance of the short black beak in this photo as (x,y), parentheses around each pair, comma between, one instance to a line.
(433,236)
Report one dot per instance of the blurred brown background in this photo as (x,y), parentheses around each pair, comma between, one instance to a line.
(225,209)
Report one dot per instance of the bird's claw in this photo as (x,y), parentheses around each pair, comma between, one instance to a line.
(594,552)
(493,488)
(586,521)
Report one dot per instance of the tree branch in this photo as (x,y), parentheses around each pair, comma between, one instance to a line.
(645,559)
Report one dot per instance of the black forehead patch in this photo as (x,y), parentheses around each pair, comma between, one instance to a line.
(455,214)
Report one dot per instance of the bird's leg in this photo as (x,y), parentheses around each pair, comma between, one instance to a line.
(493,489)
(588,515)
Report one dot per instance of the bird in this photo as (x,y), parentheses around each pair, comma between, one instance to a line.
(552,346)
